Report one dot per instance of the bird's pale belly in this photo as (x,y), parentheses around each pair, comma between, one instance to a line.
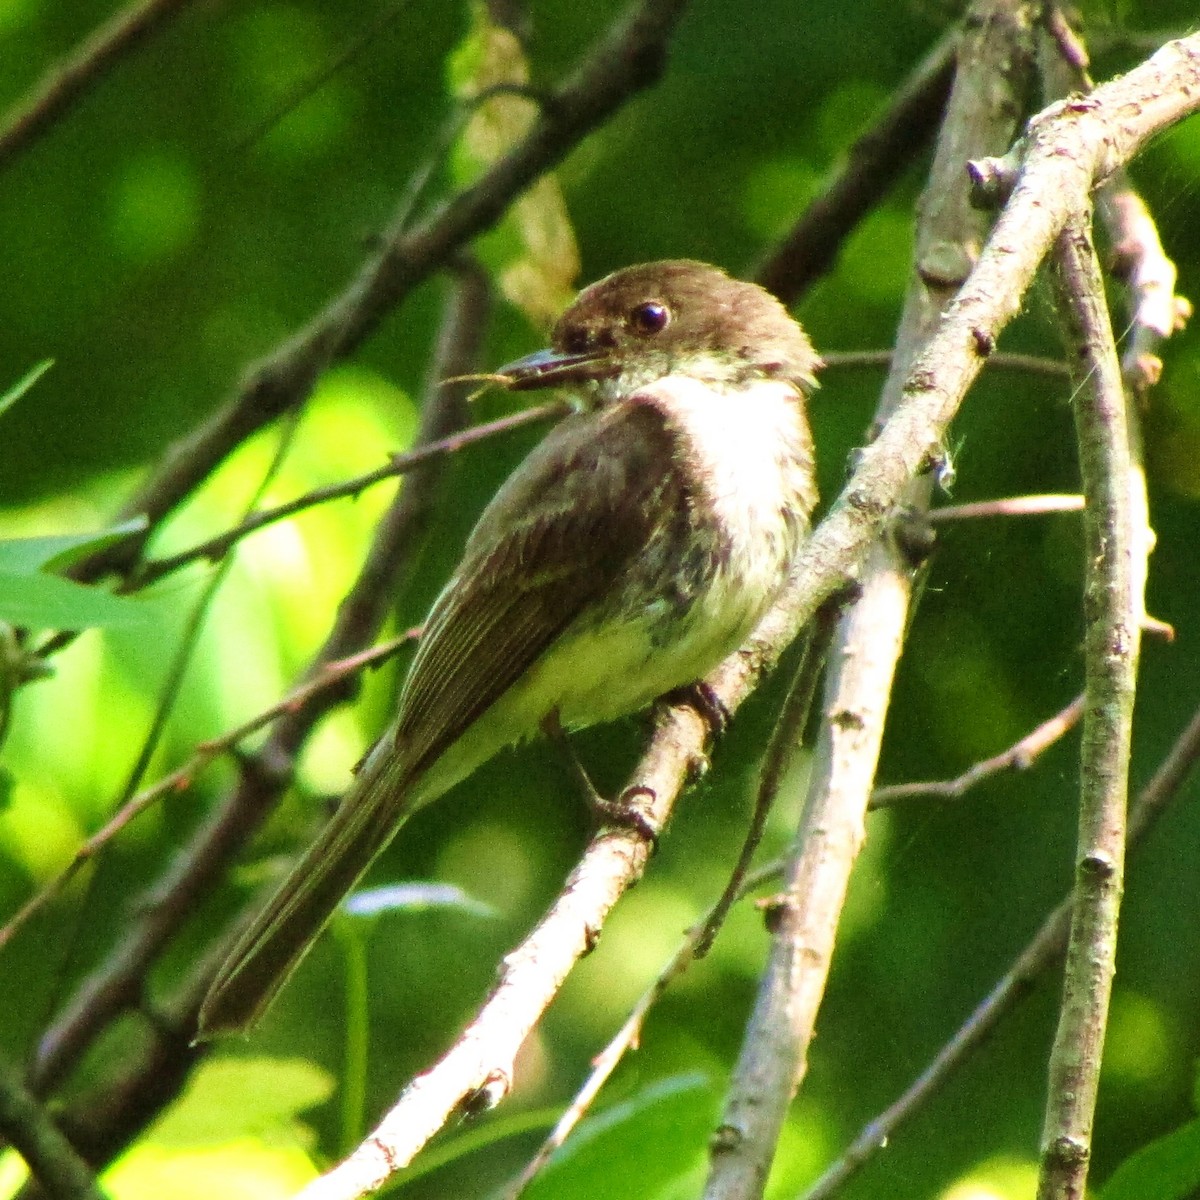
(603,670)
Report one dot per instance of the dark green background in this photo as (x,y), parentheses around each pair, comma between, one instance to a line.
(154,254)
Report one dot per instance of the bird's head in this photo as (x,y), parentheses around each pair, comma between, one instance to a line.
(645,322)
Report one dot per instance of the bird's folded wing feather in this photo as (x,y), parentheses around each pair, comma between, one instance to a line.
(588,498)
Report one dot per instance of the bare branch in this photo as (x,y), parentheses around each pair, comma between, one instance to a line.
(477,1071)
(1018,757)
(993,55)
(118,982)
(1112,615)
(401,464)
(1002,360)
(1009,506)
(628,59)
(873,165)
(1046,947)
(65,84)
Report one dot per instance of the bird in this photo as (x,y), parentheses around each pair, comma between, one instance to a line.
(631,551)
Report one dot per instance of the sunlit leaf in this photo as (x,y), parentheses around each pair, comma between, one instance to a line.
(47,602)
(245,1169)
(229,1097)
(538,260)
(1166,1169)
(655,1137)
(22,556)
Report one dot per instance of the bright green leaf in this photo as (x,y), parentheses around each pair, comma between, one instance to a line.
(1166,1169)
(229,1097)
(241,1170)
(47,602)
(23,556)
(655,1137)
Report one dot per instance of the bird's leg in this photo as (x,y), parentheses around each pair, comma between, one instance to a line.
(624,811)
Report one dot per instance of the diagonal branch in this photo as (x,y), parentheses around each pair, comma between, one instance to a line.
(629,59)
(993,55)
(70,80)
(26,1125)
(166,904)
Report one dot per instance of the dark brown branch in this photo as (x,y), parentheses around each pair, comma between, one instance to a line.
(65,84)
(629,59)
(118,982)
(873,165)
(26,1126)
(401,464)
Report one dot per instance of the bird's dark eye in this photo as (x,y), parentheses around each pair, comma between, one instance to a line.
(650,317)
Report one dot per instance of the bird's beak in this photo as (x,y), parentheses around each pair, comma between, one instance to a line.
(550,368)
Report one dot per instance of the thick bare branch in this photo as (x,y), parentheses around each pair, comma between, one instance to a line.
(1046,948)
(873,164)
(993,55)
(1112,619)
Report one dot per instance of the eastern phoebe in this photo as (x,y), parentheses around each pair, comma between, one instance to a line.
(636,547)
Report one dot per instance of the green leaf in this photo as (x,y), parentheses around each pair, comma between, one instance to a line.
(231,1097)
(635,1149)
(18,389)
(1166,1169)
(23,556)
(47,602)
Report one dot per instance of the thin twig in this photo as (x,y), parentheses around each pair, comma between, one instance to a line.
(781,751)
(67,82)
(1008,506)
(217,547)
(119,981)
(332,675)
(26,1126)
(1112,615)
(1031,364)
(1020,756)
(361,40)
(1043,950)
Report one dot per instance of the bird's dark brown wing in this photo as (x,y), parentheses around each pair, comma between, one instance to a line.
(556,539)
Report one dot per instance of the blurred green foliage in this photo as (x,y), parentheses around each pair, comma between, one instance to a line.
(201,205)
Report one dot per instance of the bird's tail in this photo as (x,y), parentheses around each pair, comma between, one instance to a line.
(271,948)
